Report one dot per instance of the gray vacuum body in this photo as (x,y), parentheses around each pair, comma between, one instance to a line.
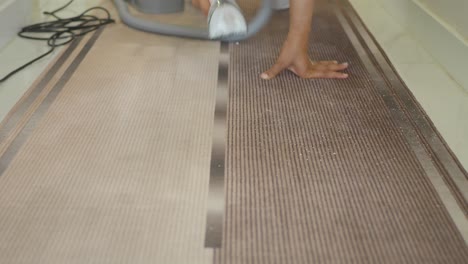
(158,6)
(170,6)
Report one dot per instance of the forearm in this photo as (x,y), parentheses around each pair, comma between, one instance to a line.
(300,24)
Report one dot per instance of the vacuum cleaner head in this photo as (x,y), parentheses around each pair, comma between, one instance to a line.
(225,20)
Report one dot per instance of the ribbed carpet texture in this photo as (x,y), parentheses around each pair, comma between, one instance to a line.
(110,162)
(117,169)
(317,170)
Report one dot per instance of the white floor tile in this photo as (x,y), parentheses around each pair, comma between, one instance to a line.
(445,101)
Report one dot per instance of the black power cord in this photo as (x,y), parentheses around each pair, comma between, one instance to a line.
(61,30)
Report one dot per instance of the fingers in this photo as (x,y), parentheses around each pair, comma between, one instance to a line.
(315,70)
(325,75)
(314,74)
(330,67)
(273,71)
(310,74)
(327,70)
(322,70)
(324,62)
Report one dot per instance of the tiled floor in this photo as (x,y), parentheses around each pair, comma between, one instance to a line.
(444,100)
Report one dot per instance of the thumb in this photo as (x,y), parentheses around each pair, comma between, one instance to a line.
(273,71)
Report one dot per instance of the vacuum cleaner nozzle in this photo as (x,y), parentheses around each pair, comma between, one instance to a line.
(226,20)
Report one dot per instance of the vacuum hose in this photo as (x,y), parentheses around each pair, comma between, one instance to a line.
(255,25)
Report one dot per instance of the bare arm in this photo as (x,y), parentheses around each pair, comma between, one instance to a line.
(301,12)
(294,54)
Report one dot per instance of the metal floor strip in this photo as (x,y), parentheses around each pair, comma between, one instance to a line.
(15,146)
(410,134)
(216,195)
(437,146)
(12,120)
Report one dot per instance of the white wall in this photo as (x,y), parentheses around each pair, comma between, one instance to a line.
(452,12)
